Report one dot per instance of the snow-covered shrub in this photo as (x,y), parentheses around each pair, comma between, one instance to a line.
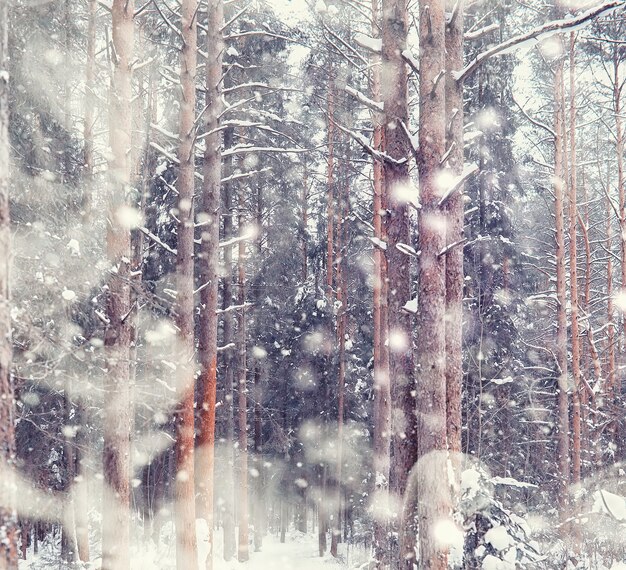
(495,537)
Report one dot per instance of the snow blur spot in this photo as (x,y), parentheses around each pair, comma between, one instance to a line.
(448,534)
(160,334)
(129,217)
(619,299)
(68,295)
(398,341)
(444,180)
(70,432)
(552,47)
(320,7)
(259,353)
(406,193)
(182,476)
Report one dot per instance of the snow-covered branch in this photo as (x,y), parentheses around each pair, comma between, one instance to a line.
(534,121)
(242,175)
(236,17)
(457,182)
(235,240)
(246,149)
(362,98)
(539,33)
(156,239)
(359,138)
(374,45)
(476,34)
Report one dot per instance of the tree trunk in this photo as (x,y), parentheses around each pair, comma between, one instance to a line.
(397,184)
(184,493)
(81,500)
(573,268)
(242,371)
(259,502)
(8,514)
(69,548)
(81,491)
(561,334)
(432,476)
(330,181)
(454,225)
(382,395)
(305,223)
(621,185)
(321,512)
(116,454)
(228,485)
(209,263)
(342,205)
(591,359)
(90,111)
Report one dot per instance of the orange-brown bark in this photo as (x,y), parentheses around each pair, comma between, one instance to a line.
(209,264)
(382,395)
(397,230)
(432,473)
(454,235)
(8,515)
(117,422)
(184,491)
(573,269)
(563,463)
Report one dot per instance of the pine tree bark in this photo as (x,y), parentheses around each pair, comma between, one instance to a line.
(69,550)
(209,264)
(305,223)
(8,514)
(259,502)
(454,225)
(117,423)
(228,509)
(608,392)
(89,116)
(81,502)
(621,183)
(591,359)
(330,181)
(382,395)
(341,298)
(243,553)
(432,475)
(563,463)
(184,491)
(396,185)
(323,512)
(573,268)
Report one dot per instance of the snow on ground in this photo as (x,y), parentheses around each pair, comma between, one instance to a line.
(298,552)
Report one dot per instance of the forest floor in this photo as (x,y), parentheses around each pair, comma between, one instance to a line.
(298,552)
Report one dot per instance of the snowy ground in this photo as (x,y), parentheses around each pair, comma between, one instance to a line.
(299,552)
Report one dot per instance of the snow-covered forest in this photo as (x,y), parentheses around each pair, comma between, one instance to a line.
(312,284)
